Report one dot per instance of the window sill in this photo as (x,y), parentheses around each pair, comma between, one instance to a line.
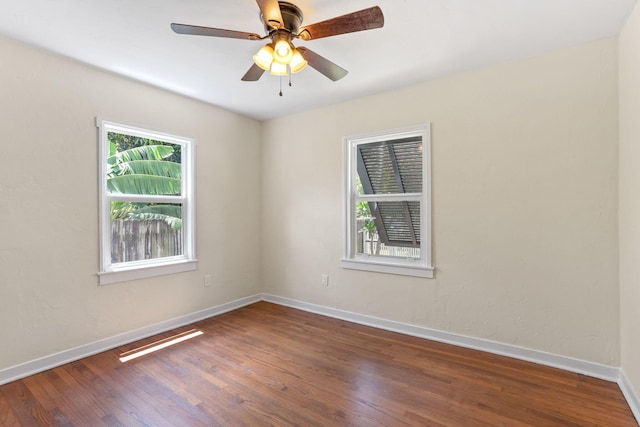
(125,274)
(389,268)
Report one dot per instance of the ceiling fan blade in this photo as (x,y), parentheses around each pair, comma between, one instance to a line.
(194,30)
(323,65)
(253,74)
(366,19)
(271,13)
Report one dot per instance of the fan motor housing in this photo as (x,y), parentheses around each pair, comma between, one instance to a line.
(291,15)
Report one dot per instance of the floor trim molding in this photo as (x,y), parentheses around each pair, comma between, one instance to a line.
(51,361)
(630,395)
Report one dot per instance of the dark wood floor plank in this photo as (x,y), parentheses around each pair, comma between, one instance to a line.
(46,393)
(7,416)
(269,365)
(120,390)
(26,409)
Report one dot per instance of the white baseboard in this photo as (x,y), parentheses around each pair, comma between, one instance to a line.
(51,361)
(630,395)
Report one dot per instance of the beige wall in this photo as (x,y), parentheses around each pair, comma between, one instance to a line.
(630,197)
(49,296)
(524,204)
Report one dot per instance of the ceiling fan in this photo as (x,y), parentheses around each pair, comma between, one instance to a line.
(282,22)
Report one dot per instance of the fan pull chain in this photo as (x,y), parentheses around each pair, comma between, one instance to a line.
(289,74)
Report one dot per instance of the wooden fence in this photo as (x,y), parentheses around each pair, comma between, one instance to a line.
(370,244)
(135,240)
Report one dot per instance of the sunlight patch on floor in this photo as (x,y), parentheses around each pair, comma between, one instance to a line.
(159,345)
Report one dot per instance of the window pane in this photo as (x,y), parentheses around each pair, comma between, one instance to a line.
(388,229)
(138,165)
(390,167)
(142,231)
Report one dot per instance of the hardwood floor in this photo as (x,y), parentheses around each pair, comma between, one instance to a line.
(270,365)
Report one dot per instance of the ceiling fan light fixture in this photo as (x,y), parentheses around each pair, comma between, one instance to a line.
(298,63)
(264,57)
(282,51)
(282,24)
(278,69)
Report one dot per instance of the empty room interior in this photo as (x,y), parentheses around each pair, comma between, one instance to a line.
(433,218)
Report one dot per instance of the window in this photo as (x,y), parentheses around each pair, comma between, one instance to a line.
(146,203)
(388,202)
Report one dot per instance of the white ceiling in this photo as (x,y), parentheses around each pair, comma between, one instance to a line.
(421,40)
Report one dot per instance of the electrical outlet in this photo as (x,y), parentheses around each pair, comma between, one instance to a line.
(207,280)
(324,279)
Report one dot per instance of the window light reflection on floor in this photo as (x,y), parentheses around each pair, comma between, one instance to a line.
(159,345)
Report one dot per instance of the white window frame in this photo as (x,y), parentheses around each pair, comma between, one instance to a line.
(121,272)
(421,267)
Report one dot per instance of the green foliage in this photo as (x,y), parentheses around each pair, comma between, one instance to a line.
(143,166)
(144,184)
(124,142)
(150,167)
(172,221)
(146,152)
(171,214)
(363,210)
(161,209)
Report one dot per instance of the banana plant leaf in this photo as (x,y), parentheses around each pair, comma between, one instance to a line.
(120,210)
(144,184)
(145,152)
(149,167)
(173,222)
(168,210)
(171,214)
